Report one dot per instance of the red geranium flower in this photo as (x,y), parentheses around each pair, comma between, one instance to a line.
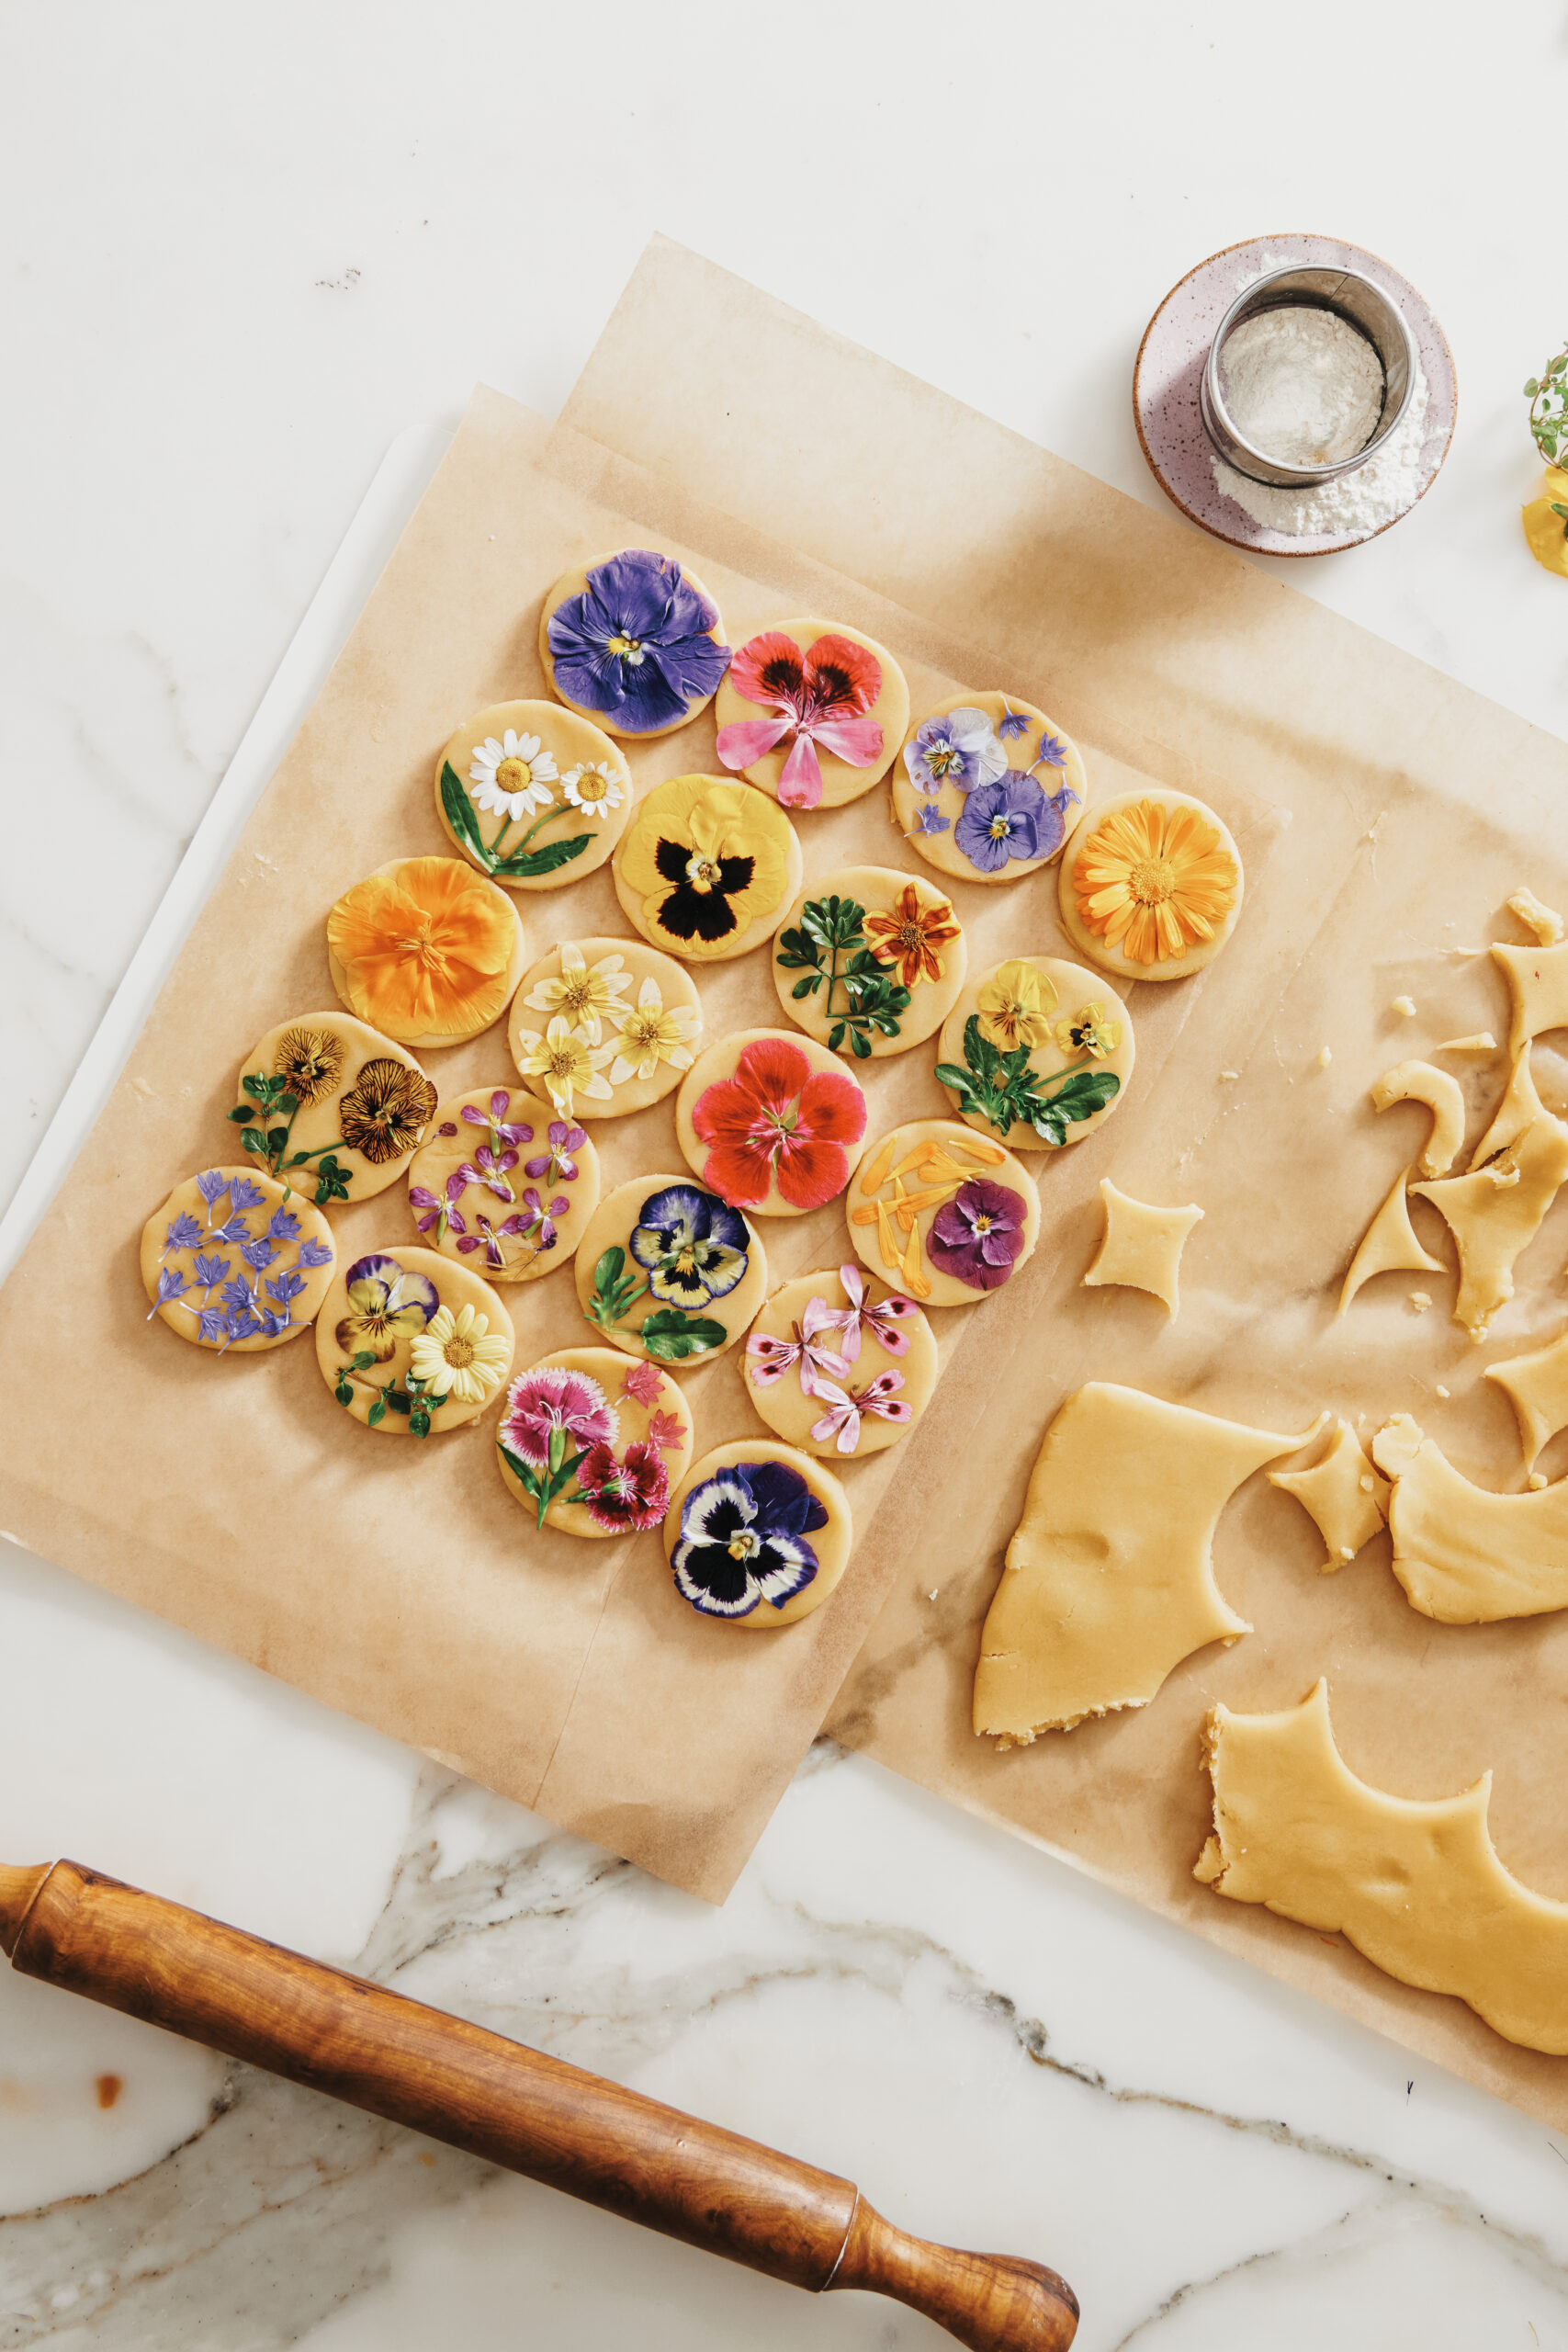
(820,696)
(779,1122)
(627,1495)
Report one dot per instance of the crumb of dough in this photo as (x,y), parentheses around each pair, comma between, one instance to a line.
(1544,923)
(1536,1481)
(1420,1300)
(1484,1042)
(1404,1004)
(1229,1077)
(1324,1058)
(1442,1391)
(1141,1247)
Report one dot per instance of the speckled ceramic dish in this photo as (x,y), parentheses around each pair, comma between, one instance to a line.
(1170,366)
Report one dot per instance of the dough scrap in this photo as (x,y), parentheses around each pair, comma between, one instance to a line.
(1141,1247)
(1538,986)
(1443,1096)
(1545,921)
(1389,1245)
(1482,1042)
(1414,1883)
(1464,1555)
(1495,1210)
(1536,1388)
(1109,1582)
(1342,1493)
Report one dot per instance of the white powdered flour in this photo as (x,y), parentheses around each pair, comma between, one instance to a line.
(1361,501)
(1303,385)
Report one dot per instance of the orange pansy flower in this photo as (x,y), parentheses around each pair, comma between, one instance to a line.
(910,935)
(425,949)
(1153,881)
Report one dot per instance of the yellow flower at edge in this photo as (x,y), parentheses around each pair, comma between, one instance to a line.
(708,860)
(651,1032)
(1087,1031)
(424,950)
(459,1356)
(565,1061)
(1015,1005)
(1153,881)
(585,992)
(1546,525)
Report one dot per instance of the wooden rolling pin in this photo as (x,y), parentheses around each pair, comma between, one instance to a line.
(507,2104)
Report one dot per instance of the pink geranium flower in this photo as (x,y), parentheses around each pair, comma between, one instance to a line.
(819,697)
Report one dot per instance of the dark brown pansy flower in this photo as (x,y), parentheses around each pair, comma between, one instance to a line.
(386,1111)
(309,1062)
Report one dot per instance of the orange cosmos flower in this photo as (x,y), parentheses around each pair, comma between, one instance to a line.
(910,935)
(1153,881)
(425,950)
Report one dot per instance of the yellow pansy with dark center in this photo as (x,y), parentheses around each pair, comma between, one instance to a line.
(386,1111)
(310,1061)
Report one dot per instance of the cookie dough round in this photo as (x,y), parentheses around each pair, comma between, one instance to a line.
(1030,778)
(505,1185)
(234,1263)
(414,1314)
(666,1253)
(522,782)
(896,1360)
(364,1104)
(425,950)
(633,1023)
(752,1520)
(1151,885)
(629,1422)
(834,678)
(706,867)
(773,1124)
(1071,1022)
(914,936)
(943,1213)
(634,642)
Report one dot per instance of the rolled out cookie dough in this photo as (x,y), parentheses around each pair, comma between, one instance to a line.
(385,1304)
(1536,1388)
(1389,1245)
(1141,1247)
(234,1263)
(937,1169)
(1345,1497)
(1538,990)
(791,1326)
(1414,1883)
(762,1548)
(364,1104)
(430,959)
(1074,1024)
(528,1192)
(848,689)
(667,1252)
(1495,1210)
(771,1122)
(1110,1582)
(523,781)
(632,1024)
(706,867)
(635,1410)
(1163,877)
(1465,1556)
(1016,758)
(601,638)
(914,939)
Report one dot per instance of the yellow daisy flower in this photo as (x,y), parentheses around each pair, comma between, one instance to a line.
(1153,881)
(459,1356)
(564,1062)
(651,1032)
(584,993)
(1015,1005)
(1087,1031)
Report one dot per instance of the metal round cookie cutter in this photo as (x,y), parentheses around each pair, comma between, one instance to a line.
(1364,307)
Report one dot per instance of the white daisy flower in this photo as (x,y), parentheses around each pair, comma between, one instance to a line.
(460,1357)
(595,786)
(511,779)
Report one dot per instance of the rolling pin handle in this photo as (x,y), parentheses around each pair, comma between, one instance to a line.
(992,2302)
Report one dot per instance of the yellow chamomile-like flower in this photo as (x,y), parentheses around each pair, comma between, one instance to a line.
(584,993)
(564,1062)
(1087,1031)
(593,787)
(653,1032)
(459,1356)
(1015,1005)
(511,779)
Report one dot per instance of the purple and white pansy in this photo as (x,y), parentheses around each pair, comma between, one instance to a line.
(742,1540)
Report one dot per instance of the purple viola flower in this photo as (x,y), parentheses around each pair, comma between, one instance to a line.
(634,644)
(931,819)
(959,748)
(172,1284)
(260,1253)
(314,1253)
(244,1194)
(211,1326)
(184,1232)
(557,1166)
(283,1226)
(210,1270)
(490,1169)
(1011,722)
(211,1185)
(1009,818)
(977,1236)
(428,1210)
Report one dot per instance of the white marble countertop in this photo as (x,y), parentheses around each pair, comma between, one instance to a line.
(243,251)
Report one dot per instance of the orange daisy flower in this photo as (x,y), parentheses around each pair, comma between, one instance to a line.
(425,950)
(910,935)
(1153,881)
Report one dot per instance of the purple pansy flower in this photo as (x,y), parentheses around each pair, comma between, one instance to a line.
(977,1236)
(557,1166)
(184,1232)
(283,1226)
(930,819)
(634,645)
(959,748)
(1011,722)
(172,1284)
(211,1185)
(1011,819)
(742,1539)
(244,1194)
(315,1253)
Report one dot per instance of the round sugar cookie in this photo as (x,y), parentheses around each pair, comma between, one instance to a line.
(631,1021)
(532,794)
(414,1316)
(634,642)
(665,1257)
(362,1104)
(629,1422)
(706,867)
(1151,885)
(812,712)
(943,1214)
(425,950)
(758,1534)
(234,1263)
(1079,1033)
(773,1124)
(907,928)
(858,1403)
(987,788)
(505,1185)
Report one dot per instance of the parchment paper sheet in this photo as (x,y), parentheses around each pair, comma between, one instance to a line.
(397,1579)
(1415,807)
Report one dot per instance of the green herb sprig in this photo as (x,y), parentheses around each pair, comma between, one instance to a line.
(542,1486)
(276,1109)
(669,1334)
(521,865)
(417,1399)
(1003,1090)
(1547,396)
(828,930)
